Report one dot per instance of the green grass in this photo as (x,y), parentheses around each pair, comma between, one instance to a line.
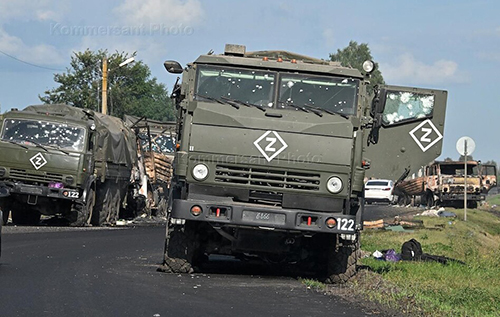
(493,200)
(435,289)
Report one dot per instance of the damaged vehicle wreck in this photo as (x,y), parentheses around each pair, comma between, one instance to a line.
(59,160)
(270,158)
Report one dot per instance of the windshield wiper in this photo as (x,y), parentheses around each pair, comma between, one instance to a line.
(16,143)
(325,110)
(242,103)
(291,105)
(55,147)
(218,100)
(38,145)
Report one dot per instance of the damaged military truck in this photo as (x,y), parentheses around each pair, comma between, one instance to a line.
(270,159)
(443,183)
(65,161)
(155,147)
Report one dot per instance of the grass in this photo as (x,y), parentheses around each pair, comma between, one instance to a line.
(435,289)
(494,200)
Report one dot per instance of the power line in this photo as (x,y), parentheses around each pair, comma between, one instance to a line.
(31,64)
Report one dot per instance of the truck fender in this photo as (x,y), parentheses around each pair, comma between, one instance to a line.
(89,183)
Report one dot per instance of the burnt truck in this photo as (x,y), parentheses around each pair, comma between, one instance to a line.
(63,161)
(271,157)
(155,148)
(443,183)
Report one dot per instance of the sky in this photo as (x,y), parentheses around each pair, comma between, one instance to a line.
(448,45)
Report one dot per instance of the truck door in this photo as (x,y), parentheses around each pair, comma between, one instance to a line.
(411,131)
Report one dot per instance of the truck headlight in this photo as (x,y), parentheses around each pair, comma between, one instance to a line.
(368,66)
(334,185)
(200,172)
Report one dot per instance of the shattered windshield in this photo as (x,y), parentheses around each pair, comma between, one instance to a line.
(29,132)
(402,106)
(248,86)
(329,93)
(159,143)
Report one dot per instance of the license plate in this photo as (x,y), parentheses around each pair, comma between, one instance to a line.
(264,217)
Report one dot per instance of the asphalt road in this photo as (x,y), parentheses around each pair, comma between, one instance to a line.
(55,271)
(388,212)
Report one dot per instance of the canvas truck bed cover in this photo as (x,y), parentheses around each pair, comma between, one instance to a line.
(115,142)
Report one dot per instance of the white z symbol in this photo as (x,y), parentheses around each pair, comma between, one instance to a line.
(424,137)
(38,161)
(271,143)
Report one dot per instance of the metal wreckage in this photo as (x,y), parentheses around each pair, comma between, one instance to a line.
(443,183)
(272,153)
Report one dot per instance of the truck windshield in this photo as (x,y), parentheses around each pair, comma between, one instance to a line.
(245,85)
(60,135)
(329,93)
(163,144)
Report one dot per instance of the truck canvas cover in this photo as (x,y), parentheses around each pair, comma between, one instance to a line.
(115,142)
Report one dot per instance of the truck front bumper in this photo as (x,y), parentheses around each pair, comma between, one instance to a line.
(471,197)
(264,217)
(8,188)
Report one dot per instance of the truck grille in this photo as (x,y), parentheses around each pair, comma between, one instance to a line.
(40,178)
(267,178)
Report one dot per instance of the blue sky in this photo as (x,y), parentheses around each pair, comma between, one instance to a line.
(449,45)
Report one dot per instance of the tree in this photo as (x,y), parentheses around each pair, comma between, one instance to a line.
(131,90)
(353,56)
(469,158)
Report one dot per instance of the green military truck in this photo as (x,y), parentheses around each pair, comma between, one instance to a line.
(271,157)
(65,161)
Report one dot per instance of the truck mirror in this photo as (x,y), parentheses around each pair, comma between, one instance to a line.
(378,102)
(173,67)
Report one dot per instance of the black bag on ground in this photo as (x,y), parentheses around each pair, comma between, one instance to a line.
(411,250)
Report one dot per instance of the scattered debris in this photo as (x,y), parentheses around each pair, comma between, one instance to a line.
(441,212)
(373,224)
(398,228)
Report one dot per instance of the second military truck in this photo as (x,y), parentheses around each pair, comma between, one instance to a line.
(270,157)
(64,161)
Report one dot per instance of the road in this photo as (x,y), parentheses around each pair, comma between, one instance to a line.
(57,271)
(388,212)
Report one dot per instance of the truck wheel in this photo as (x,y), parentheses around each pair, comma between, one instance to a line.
(342,263)
(81,214)
(114,209)
(472,204)
(429,199)
(179,249)
(102,207)
(5,216)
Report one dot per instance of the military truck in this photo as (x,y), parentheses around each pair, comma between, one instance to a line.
(64,161)
(156,147)
(270,159)
(443,183)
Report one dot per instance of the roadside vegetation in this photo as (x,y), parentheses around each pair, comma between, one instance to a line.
(431,288)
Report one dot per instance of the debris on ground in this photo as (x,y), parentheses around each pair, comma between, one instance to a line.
(441,212)
(373,224)
(398,228)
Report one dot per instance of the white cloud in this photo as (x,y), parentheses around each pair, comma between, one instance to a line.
(160,12)
(41,54)
(407,69)
(40,10)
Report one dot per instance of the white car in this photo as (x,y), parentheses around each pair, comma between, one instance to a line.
(379,190)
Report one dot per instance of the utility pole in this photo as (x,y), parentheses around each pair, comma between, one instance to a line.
(104,109)
(105,72)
